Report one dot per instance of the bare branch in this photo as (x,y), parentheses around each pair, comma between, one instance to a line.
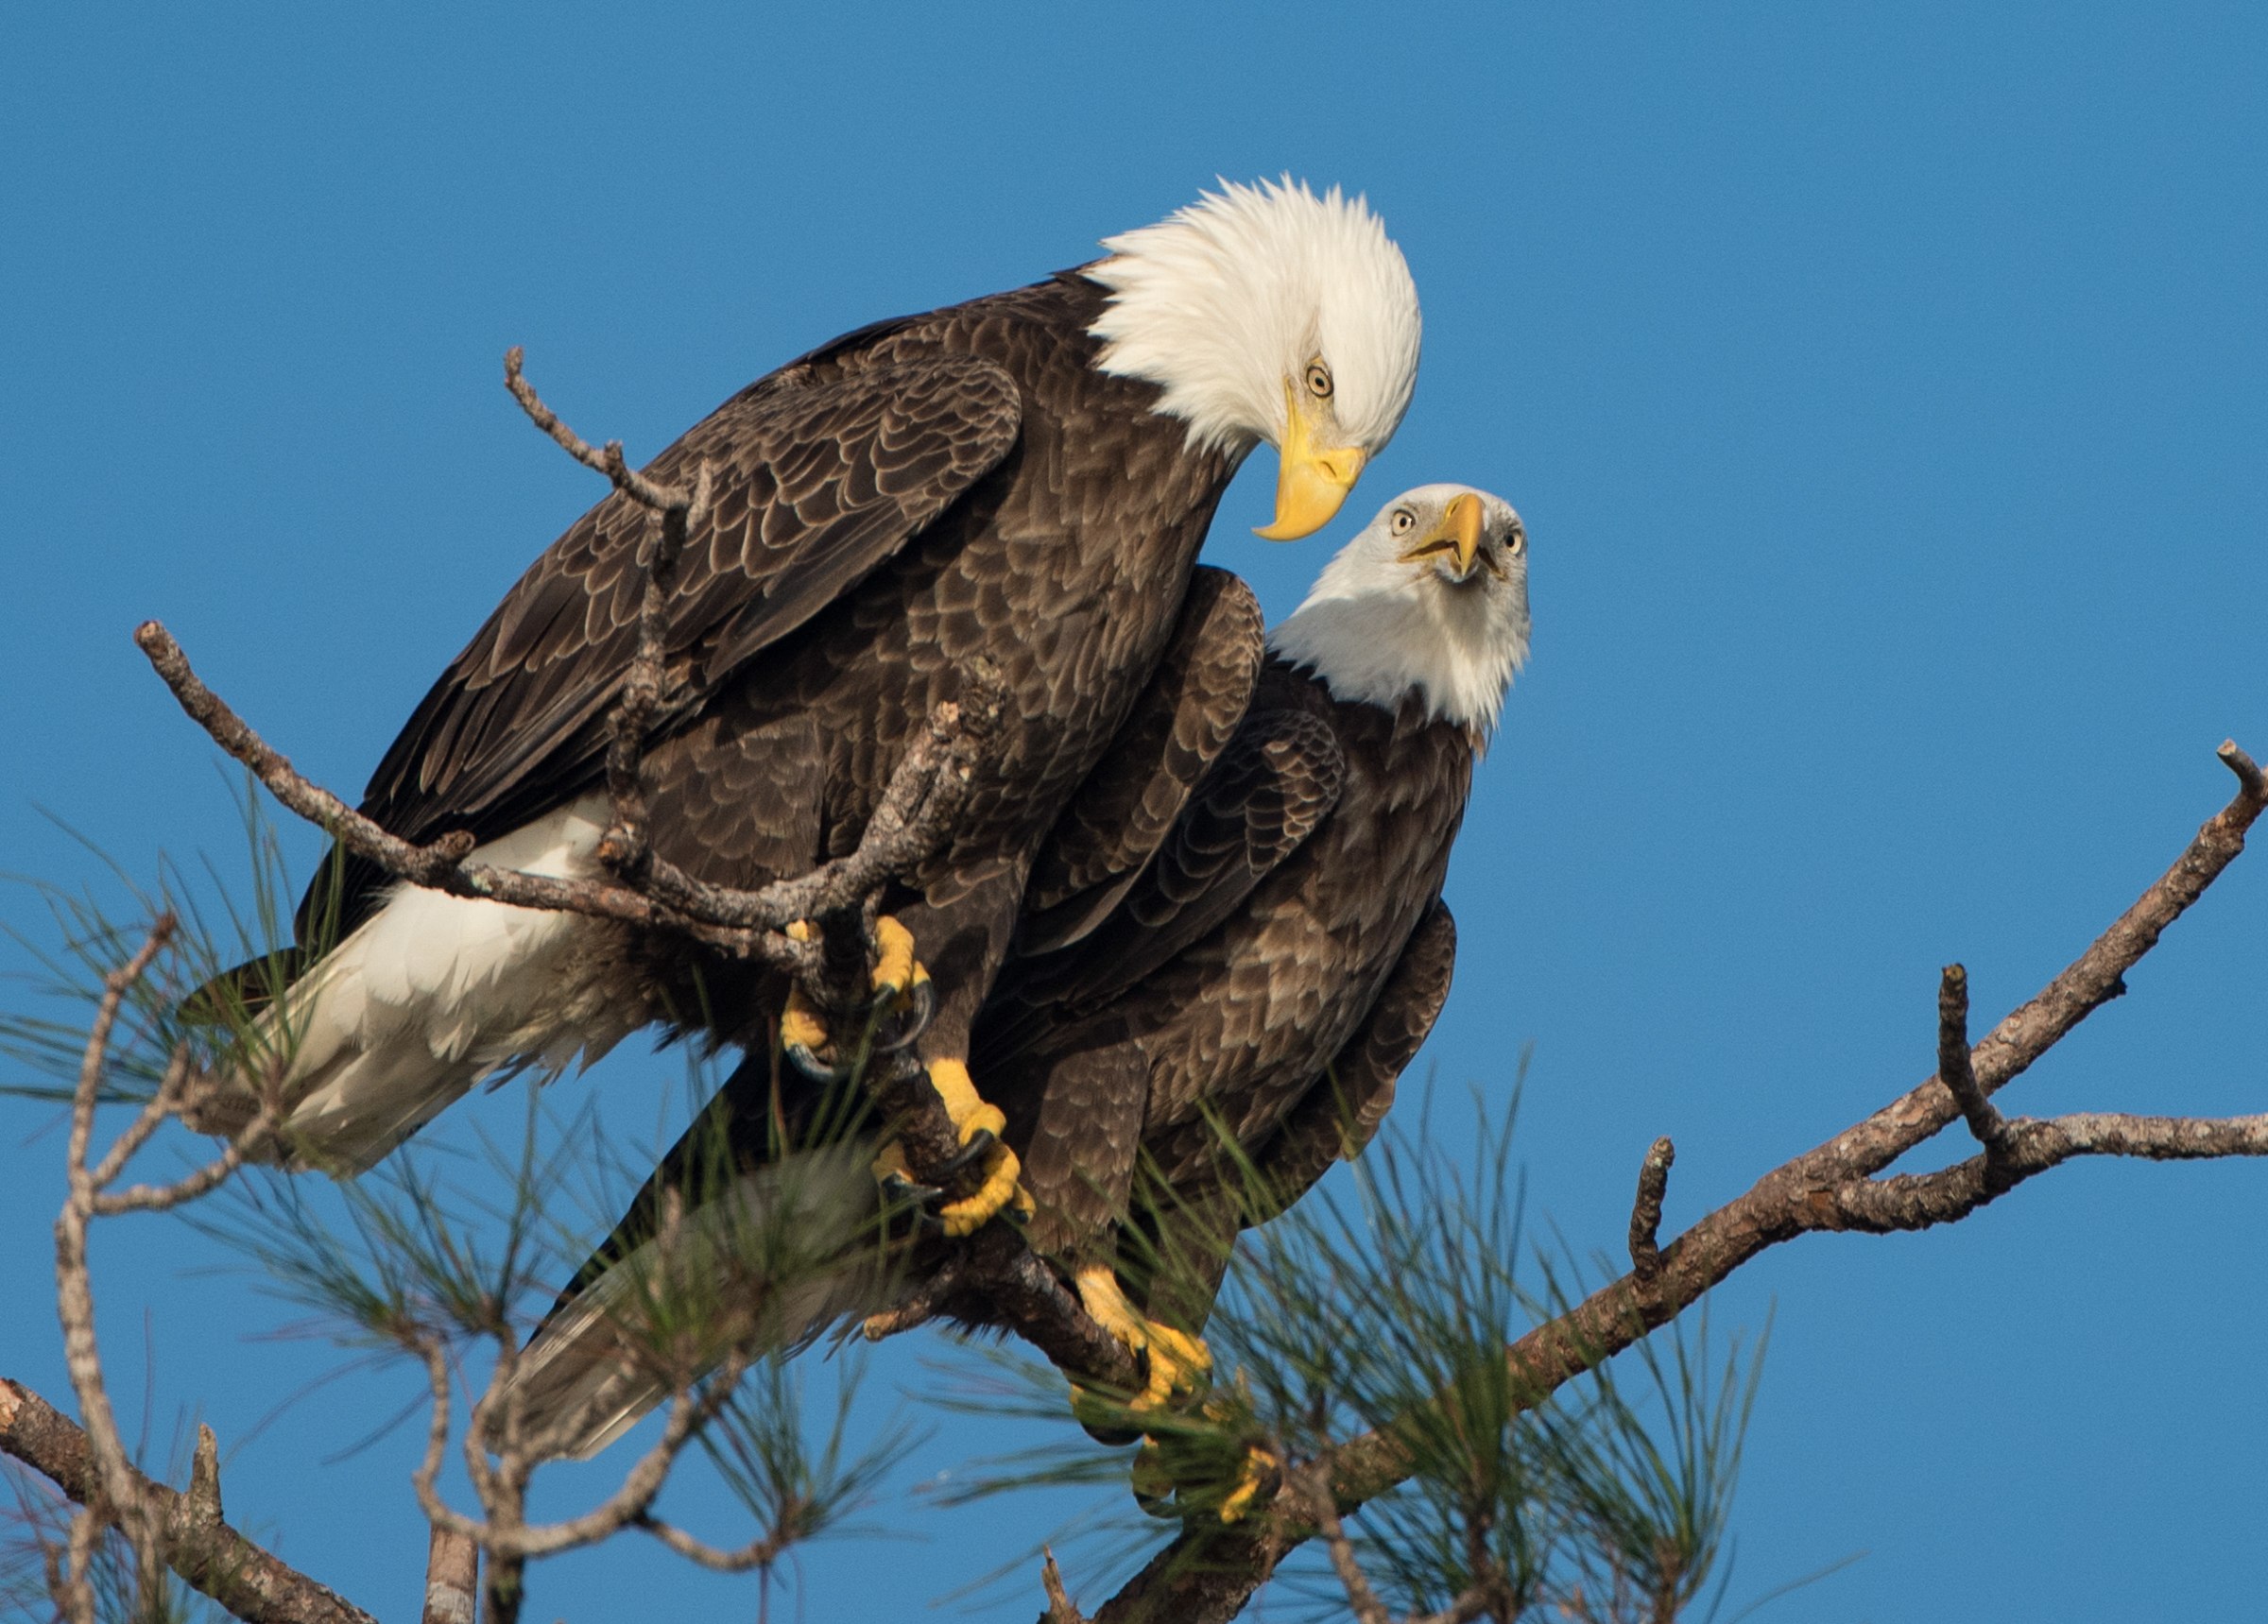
(760,1552)
(917,809)
(1206,1576)
(609,460)
(210,1556)
(1645,1213)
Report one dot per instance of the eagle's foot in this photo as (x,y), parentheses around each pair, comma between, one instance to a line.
(1174,1362)
(1163,1492)
(904,1000)
(1260,1468)
(978,1126)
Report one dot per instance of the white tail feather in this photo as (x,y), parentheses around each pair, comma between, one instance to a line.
(432,994)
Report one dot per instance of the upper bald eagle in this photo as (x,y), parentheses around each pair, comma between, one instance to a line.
(1286,934)
(1024,478)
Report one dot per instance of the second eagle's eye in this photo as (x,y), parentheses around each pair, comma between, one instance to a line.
(1318,380)
(1404,519)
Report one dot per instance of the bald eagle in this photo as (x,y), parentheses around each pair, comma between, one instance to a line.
(1288,930)
(1024,479)
(1221,967)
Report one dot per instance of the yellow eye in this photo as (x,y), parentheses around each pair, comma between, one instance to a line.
(1516,543)
(1318,380)
(1403,520)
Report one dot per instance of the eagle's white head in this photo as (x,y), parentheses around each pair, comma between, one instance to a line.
(1431,598)
(1267,312)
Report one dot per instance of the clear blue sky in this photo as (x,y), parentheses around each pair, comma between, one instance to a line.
(1884,394)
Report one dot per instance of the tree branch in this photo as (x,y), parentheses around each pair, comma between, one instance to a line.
(1206,1575)
(917,809)
(210,1556)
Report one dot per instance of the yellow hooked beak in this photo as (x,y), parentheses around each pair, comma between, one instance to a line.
(1458,532)
(1310,483)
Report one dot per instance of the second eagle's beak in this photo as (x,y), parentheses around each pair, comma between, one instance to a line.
(1310,482)
(1456,533)
(1460,525)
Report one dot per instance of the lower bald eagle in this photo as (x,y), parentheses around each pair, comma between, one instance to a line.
(1286,932)
(1223,963)
(1022,480)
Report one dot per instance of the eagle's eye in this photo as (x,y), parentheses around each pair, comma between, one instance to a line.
(1516,543)
(1318,380)
(1403,520)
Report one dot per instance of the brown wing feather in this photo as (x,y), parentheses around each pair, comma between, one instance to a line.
(1271,788)
(1265,795)
(1185,718)
(1175,1259)
(818,480)
(1343,1108)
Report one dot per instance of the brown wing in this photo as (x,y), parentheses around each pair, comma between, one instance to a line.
(1274,784)
(1340,1113)
(818,479)
(1183,721)
(1176,1257)
(1269,791)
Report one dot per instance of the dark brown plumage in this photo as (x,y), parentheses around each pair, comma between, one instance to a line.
(1253,950)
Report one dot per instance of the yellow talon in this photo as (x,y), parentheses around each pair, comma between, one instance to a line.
(971,1116)
(895,966)
(801,1023)
(1259,1462)
(1178,1362)
(897,973)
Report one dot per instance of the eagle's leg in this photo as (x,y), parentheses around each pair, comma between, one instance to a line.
(1175,1362)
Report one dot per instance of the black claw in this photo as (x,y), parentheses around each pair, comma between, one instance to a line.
(801,1056)
(923,997)
(916,1201)
(968,1156)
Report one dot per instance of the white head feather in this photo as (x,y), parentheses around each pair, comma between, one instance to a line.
(1385,620)
(1224,302)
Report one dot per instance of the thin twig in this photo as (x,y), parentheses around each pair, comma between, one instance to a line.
(120,1500)
(1985,1123)
(1060,1608)
(1645,1212)
(762,1552)
(608,460)
(1314,1495)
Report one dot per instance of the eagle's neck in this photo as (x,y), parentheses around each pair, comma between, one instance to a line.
(1447,650)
